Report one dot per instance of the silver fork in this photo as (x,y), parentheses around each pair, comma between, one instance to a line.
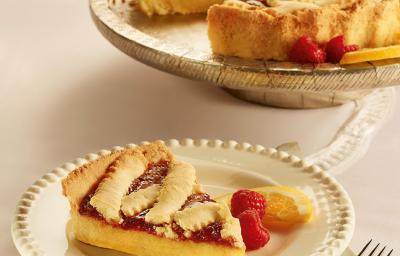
(375,249)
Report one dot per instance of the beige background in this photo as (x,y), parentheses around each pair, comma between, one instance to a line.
(65,91)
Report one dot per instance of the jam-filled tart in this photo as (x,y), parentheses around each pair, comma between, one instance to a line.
(145,202)
(267,29)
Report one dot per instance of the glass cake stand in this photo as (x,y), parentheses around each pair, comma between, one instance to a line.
(179,44)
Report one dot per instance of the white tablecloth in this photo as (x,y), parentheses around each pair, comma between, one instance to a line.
(65,91)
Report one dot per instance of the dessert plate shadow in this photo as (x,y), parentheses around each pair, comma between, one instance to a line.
(40,226)
(179,44)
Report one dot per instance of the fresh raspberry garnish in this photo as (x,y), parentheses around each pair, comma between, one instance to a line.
(351,48)
(336,48)
(245,199)
(306,51)
(254,234)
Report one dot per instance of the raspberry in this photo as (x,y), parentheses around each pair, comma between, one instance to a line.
(254,234)
(245,199)
(351,48)
(306,51)
(336,48)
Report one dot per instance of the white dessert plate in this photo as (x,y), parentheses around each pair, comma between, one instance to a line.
(40,226)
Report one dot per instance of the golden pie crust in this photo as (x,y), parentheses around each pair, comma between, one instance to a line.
(105,233)
(164,7)
(91,231)
(238,29)
(79,182)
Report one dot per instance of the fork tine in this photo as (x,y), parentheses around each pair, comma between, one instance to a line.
(365,247)
(390,252)
(373,250)
(382,251)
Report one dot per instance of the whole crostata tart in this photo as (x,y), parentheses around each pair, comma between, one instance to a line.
(303,31)
(145,202)
(268,29)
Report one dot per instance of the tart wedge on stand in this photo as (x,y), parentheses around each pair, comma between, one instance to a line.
(268,29)
(264,73)
(145,202)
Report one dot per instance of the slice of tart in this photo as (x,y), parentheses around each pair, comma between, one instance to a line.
(267,29)
(163,7)
(143,201)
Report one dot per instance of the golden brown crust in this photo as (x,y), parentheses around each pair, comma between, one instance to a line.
(116,182)
(163,7)
(156,151)
(80,181)
(98,233)
(238,29)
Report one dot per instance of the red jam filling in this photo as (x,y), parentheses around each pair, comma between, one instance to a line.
(87,209)
(211,233)
(155,175)
(138,223)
